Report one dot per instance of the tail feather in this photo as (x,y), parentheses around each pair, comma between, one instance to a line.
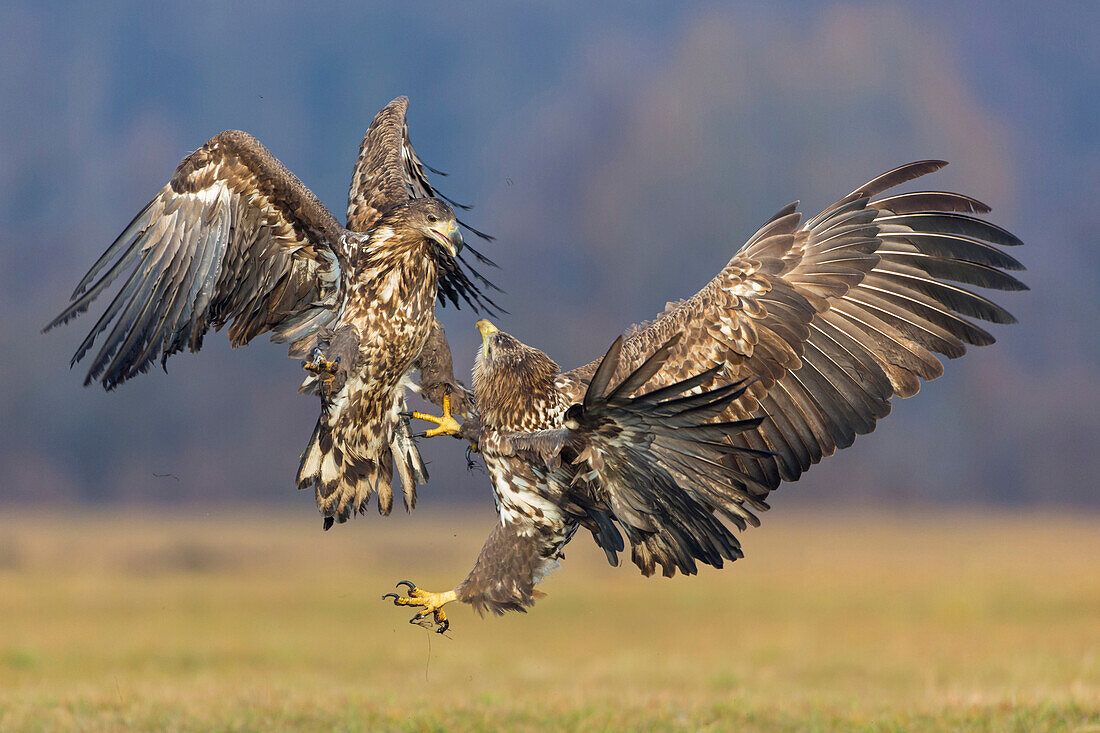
(343,483)
(410,466)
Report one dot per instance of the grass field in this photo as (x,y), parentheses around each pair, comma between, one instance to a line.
(246,620)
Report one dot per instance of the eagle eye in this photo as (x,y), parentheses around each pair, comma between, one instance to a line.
(433,218)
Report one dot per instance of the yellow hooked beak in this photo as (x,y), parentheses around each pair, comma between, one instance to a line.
(486,329)
(449,237)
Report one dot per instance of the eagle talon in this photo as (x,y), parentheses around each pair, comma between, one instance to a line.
(447,424)
(320,365)
(431,604)
(323,369)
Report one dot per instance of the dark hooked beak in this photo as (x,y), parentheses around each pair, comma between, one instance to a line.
(449,238)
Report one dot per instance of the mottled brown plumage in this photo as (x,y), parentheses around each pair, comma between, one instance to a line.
(235,239)
(385,324)
(388,170)
(792,350)
(616,458)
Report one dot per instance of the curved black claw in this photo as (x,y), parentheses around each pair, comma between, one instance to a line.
(430,604)
(441,626)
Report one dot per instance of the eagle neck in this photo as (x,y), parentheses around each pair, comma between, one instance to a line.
(517,397)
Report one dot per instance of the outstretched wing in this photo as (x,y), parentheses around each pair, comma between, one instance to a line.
(387,174)
(835,317)
(233,238)
(653,465)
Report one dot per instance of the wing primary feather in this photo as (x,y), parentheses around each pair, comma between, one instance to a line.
(482,259)
(598,386)
(924,201)
(679,387)
(638,378)
(951,223)
(119,332)
(477,232)
(956,298)
(129,360)
(136,227)
(963,271)
(478,275)
(954,246)
(929,308)
(897,176)
(170,288)
(104,320)
(126,260)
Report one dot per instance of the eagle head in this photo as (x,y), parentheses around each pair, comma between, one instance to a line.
(510,377)
(436,221)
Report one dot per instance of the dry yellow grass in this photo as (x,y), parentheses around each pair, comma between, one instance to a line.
(249,620)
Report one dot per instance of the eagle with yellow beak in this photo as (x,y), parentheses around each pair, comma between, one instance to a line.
(686,425)
(236,239)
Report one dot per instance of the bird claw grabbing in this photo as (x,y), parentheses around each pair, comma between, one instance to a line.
(431,605)
(447,424)
(322,368)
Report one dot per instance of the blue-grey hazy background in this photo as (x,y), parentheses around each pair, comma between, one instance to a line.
(620,152)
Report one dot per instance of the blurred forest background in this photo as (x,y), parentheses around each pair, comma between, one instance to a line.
(620,152)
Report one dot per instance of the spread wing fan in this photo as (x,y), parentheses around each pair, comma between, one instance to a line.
(233,238)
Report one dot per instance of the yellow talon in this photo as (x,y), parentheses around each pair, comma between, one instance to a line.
(321,365)
(323,370)
(447,424)
(432,604)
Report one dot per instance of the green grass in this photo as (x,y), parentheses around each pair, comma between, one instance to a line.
(246,620)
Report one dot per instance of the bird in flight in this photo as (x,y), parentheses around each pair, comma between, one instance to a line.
(688,422)
(236,239)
